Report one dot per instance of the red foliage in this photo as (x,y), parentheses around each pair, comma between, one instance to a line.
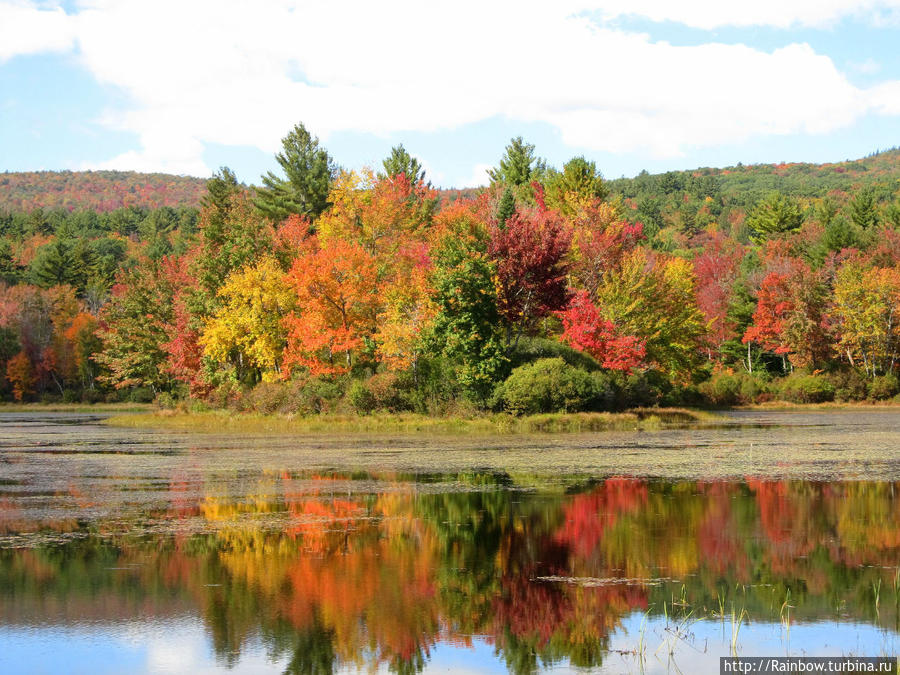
(529,254)
(585,330)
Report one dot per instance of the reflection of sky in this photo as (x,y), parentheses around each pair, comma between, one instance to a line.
(184,647)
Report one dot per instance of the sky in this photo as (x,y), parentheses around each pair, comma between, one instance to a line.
(187,86)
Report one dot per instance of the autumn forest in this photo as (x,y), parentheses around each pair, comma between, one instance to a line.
(325,289)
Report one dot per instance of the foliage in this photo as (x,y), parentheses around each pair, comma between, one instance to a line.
(727,389)
(528,253)
(335,287)
(401,162)
(586,330)
(466,327)
(308,170)
(550,385)
(246,330)
(801,388)
(774,215)
(653,298)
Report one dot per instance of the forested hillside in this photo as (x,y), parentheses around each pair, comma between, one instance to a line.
(689,201)
(326,289)
(97,190)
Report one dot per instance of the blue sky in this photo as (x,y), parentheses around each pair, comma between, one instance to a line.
(185,87)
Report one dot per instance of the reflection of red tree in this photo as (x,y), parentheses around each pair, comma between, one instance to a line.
(785,517)
(589,515)
(720,542)
(317,519)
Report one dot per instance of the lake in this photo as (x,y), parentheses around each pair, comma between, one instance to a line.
(769,533)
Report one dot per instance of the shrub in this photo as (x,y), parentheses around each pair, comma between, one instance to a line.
(361,398)
(732,389)
(884,387)
(807,389)
(548,385)
(531,349)
(141,395)
(70,396)
(266,397)
(849,385)
(645,389)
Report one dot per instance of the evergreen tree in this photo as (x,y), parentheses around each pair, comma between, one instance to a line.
(309,171)
(506,208)
(774,215)
(519,166)
(580,178)
(9,273)
(863,209)
(400,161)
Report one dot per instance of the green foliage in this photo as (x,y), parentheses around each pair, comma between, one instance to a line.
(533,348)
(361,398)
(400,161)
(864,209)
(309,171)
(467,326)
(725,389)
(519,166)
(884,387)
(802,388)
(774,215)
(579,178)
(9,271)
(506,207)
(62,261)
(849,385)
(551,385)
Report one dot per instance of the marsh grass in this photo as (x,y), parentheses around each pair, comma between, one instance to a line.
(126,407)
(220,421)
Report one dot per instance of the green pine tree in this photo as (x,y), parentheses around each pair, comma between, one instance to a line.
(309,172)
(400,161)
(774,215)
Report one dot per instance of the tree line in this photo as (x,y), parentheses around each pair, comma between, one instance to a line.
(327,289)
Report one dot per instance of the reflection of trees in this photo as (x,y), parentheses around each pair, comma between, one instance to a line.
(378,579)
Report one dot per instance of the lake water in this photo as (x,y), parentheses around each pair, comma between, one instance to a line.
(134,551)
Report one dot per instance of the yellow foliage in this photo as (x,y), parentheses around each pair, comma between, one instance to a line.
(248,326)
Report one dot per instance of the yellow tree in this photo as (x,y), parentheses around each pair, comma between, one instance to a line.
(654,299)
(867,313)
(247,331)
(408,309)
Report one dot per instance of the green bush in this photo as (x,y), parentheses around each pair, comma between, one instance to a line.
(362,400)
(644,389)
(313,396)
(532,349)
(549,385)
(141,395)
(884,387)
(800,388)
(849,385)
(70,396)
(725,389)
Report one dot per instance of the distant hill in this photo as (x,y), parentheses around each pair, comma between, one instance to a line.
(747,183)
(96,190)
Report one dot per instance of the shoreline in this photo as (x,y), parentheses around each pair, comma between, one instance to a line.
(218,421)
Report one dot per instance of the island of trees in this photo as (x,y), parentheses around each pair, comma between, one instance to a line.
(326,289)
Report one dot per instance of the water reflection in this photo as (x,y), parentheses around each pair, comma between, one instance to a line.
(321,571)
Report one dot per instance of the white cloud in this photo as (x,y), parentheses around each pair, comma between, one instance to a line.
(708,14)
(479,176)
(27,29)
(231,73)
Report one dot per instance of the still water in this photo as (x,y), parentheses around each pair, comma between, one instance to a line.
(129,551)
